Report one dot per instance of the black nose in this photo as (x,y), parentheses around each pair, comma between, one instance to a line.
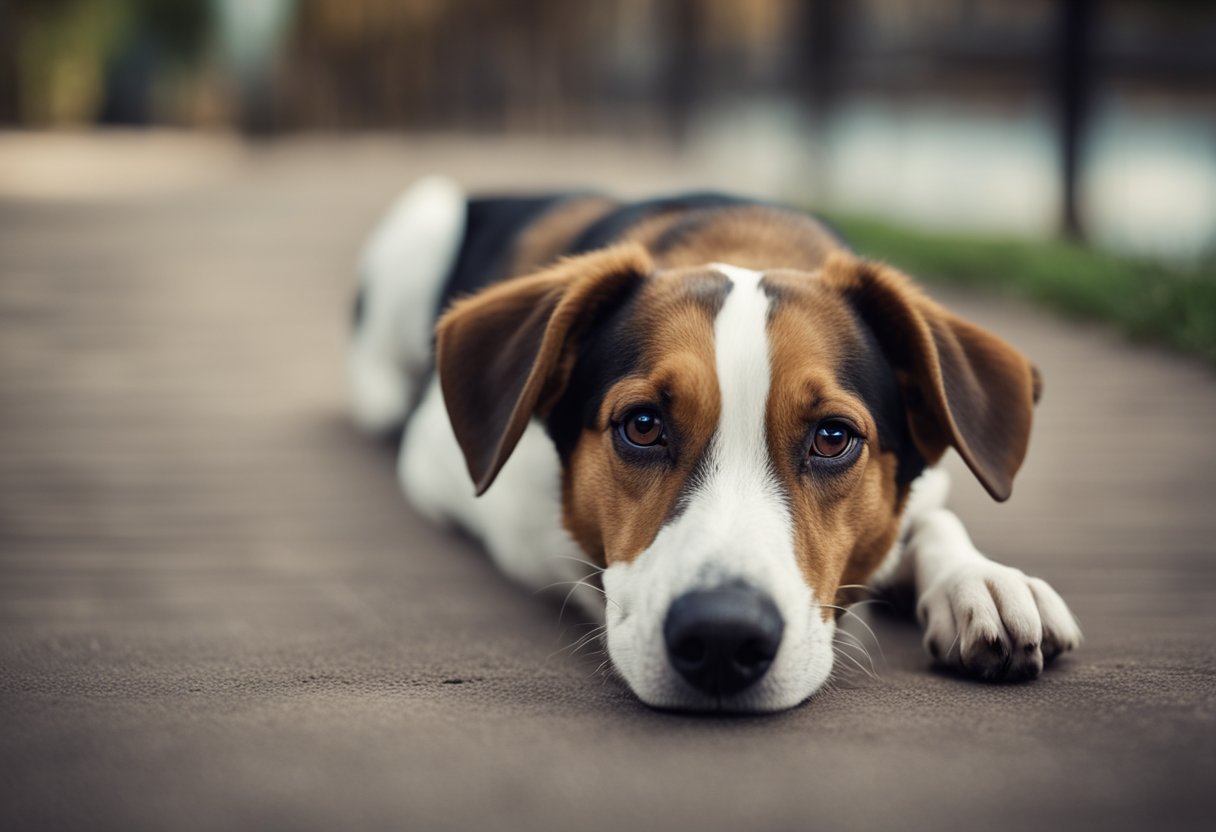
(722,640)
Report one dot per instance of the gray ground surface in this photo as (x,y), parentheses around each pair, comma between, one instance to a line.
(217,613)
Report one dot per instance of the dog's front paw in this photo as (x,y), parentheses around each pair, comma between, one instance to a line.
(994,622)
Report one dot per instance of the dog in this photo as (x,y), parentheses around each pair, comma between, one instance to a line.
(731,417)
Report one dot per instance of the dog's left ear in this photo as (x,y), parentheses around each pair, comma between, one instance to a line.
(962,386)
(506,353)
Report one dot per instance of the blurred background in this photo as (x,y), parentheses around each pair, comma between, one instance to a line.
(1092,119)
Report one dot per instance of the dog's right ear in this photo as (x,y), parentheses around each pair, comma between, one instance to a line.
(506,353)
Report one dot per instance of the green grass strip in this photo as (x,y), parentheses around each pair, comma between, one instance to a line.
(1149,301)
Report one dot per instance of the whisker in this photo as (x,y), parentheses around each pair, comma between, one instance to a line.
(863,623)
(857,645)
(853,660)
(566,600)
(582,642)
(590,637)
(844,672)
(607,670)
(873,635)
(854,640)
(951,647)
(576,625)
(594,566)
(858,664)
(883,601)
(568,583)
(574,585)
(595,653)
(600,669)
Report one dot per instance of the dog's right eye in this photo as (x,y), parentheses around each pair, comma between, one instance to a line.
(643,428)
(831,440)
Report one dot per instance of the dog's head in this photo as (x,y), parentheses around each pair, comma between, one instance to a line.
(736,446)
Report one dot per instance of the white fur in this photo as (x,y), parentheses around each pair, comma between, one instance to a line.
(402,271)
(518,520)
(929,491)
(736,527)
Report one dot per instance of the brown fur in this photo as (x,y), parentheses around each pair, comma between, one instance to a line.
(844,523)
(614,509)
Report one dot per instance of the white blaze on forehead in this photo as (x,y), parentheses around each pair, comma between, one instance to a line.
(737,506)
(739,468)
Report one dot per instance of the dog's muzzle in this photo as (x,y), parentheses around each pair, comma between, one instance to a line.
(723,640)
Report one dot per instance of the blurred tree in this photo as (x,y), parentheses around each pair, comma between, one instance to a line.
(87,60)
(683,21)
(9,107)
(181,27)
(61,50)
(1073,84)
(161,40)
(818,73)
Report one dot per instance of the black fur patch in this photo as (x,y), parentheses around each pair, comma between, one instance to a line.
(491,228)
(611,352)
(868,373)
(611,227)
(681,230)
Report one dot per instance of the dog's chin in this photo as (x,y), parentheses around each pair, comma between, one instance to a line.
(741,704)
(799,672)
(766,697)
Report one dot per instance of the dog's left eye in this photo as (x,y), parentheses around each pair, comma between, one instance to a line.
(643,428)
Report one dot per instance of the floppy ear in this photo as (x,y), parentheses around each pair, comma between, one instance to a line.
(506,353)
(963,386)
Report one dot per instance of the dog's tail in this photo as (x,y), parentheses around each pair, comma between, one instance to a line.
(402,270)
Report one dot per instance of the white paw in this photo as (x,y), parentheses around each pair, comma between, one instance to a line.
(994,622)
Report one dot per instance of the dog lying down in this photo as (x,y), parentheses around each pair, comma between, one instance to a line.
(716,403)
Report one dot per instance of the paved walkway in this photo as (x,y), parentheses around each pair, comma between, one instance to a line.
(217,613)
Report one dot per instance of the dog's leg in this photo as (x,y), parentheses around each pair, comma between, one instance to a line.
(402,270)
(989,620)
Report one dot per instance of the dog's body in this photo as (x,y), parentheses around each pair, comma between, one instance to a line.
(715,404)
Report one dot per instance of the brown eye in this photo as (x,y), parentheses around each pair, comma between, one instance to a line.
(832,439)
(642,428)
